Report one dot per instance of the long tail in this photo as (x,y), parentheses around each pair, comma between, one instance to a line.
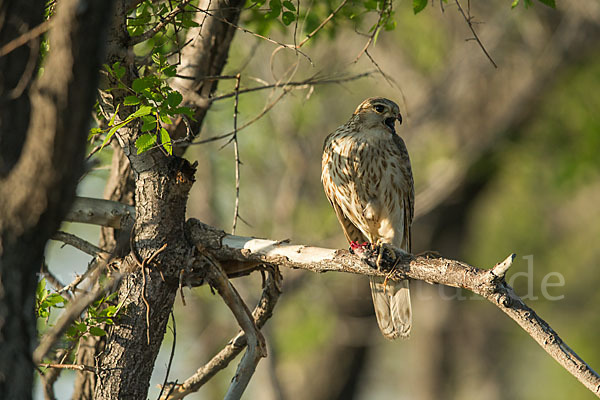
(392,307)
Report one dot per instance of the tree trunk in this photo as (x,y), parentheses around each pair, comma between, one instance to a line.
(38,183)
(162,187)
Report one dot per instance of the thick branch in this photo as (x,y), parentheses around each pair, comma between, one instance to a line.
(241,255)
(237,251)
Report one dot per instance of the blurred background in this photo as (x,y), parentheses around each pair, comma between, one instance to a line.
(505,160)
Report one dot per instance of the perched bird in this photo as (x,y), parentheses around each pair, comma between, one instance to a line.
(367,178)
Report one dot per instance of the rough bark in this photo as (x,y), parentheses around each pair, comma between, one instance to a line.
(162,184)
(37,190)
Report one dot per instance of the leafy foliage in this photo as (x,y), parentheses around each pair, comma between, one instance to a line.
(45,300)
(262,16)
(101,312)
(156,102)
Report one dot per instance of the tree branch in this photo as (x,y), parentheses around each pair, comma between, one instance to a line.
(100,212)
(262,312)
(240,255)
(255,341)
(489,284)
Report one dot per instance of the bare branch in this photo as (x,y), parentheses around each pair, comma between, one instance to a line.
(236,151)
(80,244)
(305,83)
(100,212)
(255,341)
(262,312)
(489,284)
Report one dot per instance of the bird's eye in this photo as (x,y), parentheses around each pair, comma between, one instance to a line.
(379,108)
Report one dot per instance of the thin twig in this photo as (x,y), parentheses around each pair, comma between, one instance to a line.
(322,24)
(388,79)
(307,82)
(248,123)
(75,367)
(371,37)
(142,264)
(468,18)
(174,329)
(236,152)
(286,88)
(287,46)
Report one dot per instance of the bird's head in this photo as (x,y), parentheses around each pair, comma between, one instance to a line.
(375,112)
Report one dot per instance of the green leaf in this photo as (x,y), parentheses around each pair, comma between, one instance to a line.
(131,101)
(170,71)
(184,110)
(419,5)
(157,58)
(81,327)
(148,123)
(288,17)
(289,5)
(110,134)
(54,299)
(140,84)
(112,119)
(370,4)
(549,3)
(514,4)
(109,311)
(165,139)
(118,70)
(166,119)
(41,289)
(145,142)
(96,331)
(143,110)
(174,98)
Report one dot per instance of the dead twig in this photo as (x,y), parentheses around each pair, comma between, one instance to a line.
(469,20)
(236,152)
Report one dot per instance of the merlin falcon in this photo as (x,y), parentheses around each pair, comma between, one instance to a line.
(367,178)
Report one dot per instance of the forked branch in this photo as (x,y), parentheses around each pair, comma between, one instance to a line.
(237,252)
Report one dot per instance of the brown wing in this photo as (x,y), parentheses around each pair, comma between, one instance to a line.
(352,233)
(409,197)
